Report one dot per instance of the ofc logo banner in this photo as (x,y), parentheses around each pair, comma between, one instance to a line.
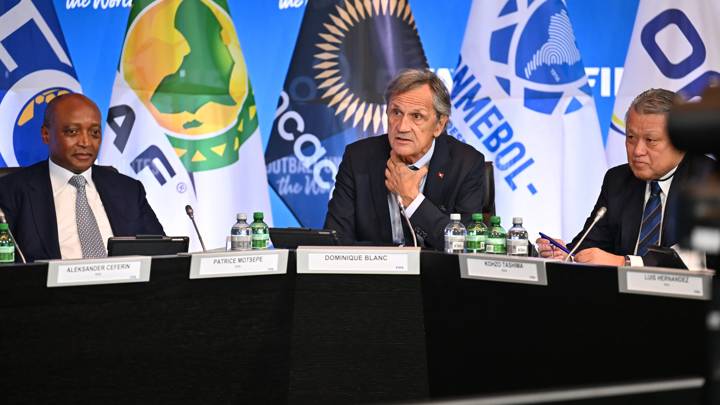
(673,46)
(35,67)
(521,97)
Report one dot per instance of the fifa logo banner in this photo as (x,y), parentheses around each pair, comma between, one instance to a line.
(35,67)
(520,96)
(674,45)
(345,55)
(182,117)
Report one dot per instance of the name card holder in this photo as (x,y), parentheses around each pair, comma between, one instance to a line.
(238,263)
(666,282)
(110,270)
(510,269)
(358,260)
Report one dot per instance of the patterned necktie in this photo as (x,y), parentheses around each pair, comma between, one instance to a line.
(91,241)
(652,215)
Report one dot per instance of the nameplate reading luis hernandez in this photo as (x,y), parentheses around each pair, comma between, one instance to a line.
(526,270)
(111,270)
(239,263)
(358,260)
(665,282)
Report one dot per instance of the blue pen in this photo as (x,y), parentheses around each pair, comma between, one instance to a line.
(555,243)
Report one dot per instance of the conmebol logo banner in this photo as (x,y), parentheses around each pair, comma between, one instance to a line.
(521,97)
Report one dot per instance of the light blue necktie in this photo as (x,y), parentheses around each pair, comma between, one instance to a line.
(91,241)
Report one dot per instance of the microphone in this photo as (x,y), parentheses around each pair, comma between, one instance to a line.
(189,212)
(12,237)
(598,216)
(407,220)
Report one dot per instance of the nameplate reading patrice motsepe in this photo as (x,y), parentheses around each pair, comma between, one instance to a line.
(513,269)
(239,263)
(666,282)
(110,270)
(358,260)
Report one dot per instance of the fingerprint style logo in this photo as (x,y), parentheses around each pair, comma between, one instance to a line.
(537,58)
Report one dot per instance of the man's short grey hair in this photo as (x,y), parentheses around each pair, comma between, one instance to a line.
(653,101)
(411,78)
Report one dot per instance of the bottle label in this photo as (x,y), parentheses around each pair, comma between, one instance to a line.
(454,243)
(495,245)
(475,243)
(260,239)
(240,242)
(7,254)
(517,247)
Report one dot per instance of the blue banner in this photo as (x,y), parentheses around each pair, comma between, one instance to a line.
(35,67)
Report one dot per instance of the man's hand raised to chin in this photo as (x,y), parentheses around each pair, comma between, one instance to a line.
(402,180)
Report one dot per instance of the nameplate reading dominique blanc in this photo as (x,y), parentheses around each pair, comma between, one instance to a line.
(239,263)
(513,269)
(666,282)
(358,260)
(111,270)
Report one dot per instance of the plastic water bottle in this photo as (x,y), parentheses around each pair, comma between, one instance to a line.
(495,242)
(476,235)
(455,235)
(7,247)
(517,239)
(260,232)
(241,234)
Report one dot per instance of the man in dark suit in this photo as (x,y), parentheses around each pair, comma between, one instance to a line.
(67,207)
(641,196)
(415,167)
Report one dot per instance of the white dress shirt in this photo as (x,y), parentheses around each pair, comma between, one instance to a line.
(64,196)
(395,217)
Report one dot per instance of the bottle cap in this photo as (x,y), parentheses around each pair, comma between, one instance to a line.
(3,226)
(517,220)
(241,216)
(495,220)
(455,217)
(477,216)
(258,216)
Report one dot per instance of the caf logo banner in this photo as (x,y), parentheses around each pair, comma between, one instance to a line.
(520,96)
(182,117)
(673,46)
(345,55)
(35,67)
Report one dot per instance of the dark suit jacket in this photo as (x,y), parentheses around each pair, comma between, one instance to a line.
(27,199)
(359,210)
(624,196)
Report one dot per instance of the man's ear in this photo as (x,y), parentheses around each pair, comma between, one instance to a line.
(442,122)
(45,135)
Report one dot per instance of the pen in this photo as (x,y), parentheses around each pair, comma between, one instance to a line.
(554,243)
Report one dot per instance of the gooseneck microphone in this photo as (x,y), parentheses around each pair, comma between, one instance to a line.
(189,212)
(407,220)
(598,216)
(3,220)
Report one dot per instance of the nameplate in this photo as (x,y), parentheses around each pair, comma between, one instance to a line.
(512,269)
(666,282)
(111,270)
(358,260)
(239,263)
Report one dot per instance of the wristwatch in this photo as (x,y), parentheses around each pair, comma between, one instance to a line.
(627,261)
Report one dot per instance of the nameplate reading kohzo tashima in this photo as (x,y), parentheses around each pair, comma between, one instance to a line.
(235,264)
(503,268)
(130,269)
(359,260)
(672,283)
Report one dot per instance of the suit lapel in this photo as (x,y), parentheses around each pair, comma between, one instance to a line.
(379,191)
(632,214)
(43,208)
(435,181)
(106,192)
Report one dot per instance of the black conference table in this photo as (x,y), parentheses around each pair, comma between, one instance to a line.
(312,338)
